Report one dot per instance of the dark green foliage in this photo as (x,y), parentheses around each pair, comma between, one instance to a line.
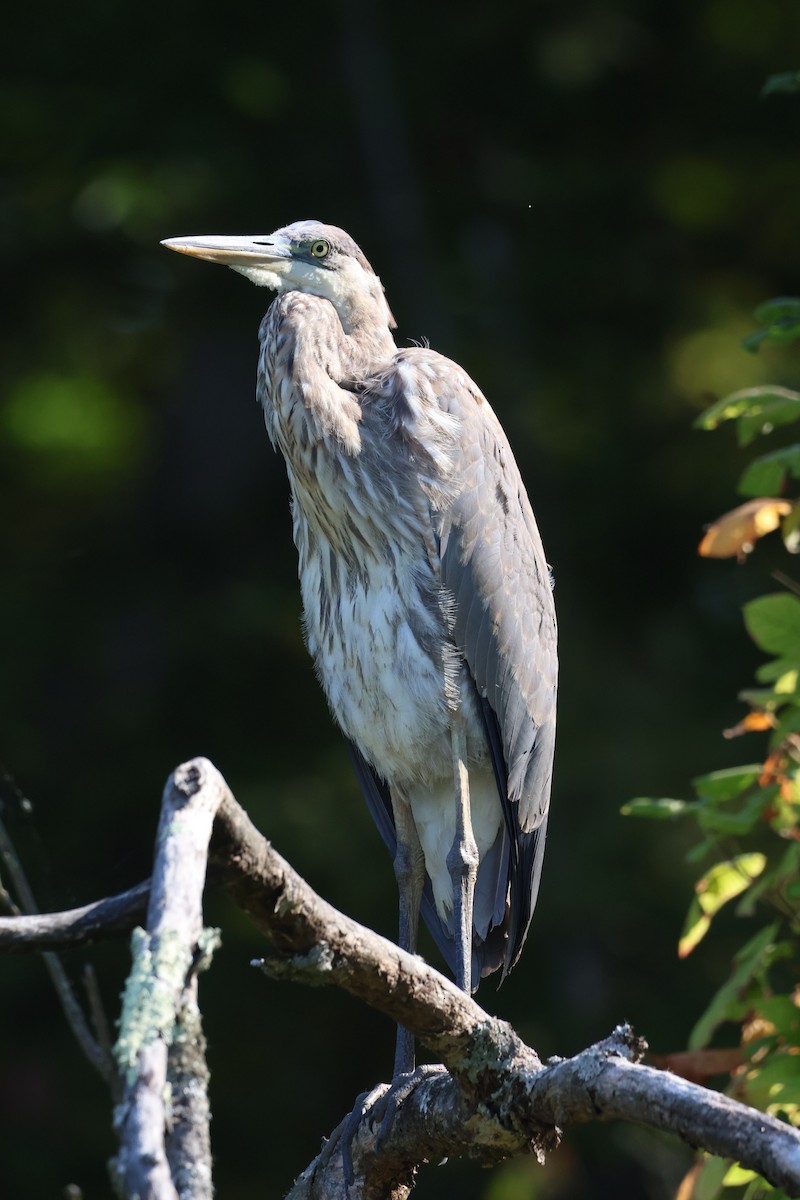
(781,322)
(749,819)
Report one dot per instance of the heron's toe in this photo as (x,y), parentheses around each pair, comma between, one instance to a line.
(377,1107)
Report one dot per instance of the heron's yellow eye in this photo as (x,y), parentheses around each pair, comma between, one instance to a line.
(320,248)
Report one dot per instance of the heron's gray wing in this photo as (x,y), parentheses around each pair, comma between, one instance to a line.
(376,793)
(503,620)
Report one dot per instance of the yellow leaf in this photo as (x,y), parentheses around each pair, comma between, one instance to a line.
(736,1176)
(720,884)
(694,930)
(786,684)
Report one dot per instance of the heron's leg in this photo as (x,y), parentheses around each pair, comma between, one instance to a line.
(462,861)
(409,870)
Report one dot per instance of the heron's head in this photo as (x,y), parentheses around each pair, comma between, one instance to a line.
(304,257)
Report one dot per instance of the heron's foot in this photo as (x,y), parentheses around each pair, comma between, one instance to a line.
(385,1108)
(345,1131)
(363,1107)
(379,1105)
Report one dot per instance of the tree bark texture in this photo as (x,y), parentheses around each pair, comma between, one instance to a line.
(492,1097)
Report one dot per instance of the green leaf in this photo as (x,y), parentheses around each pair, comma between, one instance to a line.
(728,1003)
(695,928)
(780,406)
(661,809)
(699,851)
(787,870)
(749,901)
(786,684)
(785,330)
(776,1084)
(784,1015)
(720,884)
(781,331)
(779,309)
(719,786)
(778,671)
(759,1189)
(753,340)
(773,623)
(737,404)
(736,824)
(708,1184)
(789,722)
(759,698)
(725,880)
(757,409)
(765,476)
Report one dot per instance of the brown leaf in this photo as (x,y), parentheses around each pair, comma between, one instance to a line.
(773,769)
(699,1065)
(735,534)
(689,1181)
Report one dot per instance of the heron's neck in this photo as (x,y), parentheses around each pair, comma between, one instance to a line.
(309,371)
(364,354)
(365,342)
(347,341)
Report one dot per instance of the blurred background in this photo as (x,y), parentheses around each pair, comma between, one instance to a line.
(580,202)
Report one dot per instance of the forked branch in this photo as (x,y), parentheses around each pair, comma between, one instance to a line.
(495,1098)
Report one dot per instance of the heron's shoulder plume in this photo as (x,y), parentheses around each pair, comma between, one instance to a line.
(446,380)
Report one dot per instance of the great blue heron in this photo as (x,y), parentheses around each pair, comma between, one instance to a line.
(427,600)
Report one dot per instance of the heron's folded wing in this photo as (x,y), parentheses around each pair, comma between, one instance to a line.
(503,620)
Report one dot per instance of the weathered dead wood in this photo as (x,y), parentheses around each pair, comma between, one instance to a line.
(495,1098)
(95,922)
(162,1119)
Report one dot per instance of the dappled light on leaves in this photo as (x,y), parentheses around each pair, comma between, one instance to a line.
(740,807)
(735,534)
(756,410)
(718,886)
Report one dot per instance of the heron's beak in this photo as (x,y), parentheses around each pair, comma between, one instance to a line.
(272,252)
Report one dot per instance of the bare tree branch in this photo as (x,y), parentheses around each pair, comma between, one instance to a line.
(160,1050)
(499,1076)
(525,1114)
(94,1052)
(495,1098)
(76,926)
